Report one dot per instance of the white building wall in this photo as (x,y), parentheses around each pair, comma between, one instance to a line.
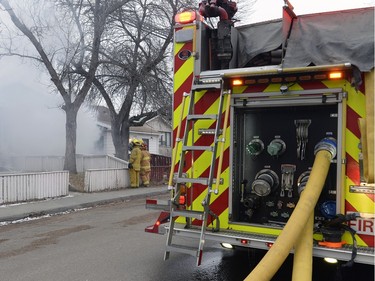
(109,148)
(154,145)
(153,141)
(155,129)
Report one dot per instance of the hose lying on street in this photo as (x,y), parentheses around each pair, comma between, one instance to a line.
(303,259)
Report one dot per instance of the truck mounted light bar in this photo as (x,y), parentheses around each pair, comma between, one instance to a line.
(270,70)
(288,79)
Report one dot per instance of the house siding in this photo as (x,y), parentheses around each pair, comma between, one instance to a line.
(151,132)
(153,141)
(109,148)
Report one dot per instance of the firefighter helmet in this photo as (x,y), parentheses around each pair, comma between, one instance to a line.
(137,142)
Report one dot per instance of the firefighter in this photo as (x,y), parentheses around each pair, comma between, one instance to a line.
(145,165)
(135,163)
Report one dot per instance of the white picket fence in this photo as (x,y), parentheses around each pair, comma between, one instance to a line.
(106,179)
(102,172)
(56,163)
(33,186)
(108,173)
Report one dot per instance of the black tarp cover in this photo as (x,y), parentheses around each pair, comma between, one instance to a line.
(318,39)
(258,38)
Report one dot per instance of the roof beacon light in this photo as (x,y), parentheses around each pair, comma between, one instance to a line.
(335,75)
(185,17)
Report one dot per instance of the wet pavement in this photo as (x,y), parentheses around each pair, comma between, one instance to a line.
(218,264)
(228,265)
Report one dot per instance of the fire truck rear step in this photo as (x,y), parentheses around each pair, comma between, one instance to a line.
(188,214)
(182,249)
(263,242)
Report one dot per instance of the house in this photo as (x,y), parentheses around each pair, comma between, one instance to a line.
(155,132)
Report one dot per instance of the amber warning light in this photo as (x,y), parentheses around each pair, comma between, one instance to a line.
(335,75)
(185,17)
(237,82)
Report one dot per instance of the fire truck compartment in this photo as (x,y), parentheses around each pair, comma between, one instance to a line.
(272,156)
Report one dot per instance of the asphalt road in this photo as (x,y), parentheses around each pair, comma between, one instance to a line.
(108,243)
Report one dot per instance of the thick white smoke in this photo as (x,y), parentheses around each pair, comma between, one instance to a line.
(31,122)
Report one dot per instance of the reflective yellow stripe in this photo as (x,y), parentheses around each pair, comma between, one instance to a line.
(352,145)
(239,89)
(201,164)
(357,100)
(183,73)
(178,110)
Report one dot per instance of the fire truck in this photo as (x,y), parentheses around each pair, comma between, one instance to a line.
(254,106)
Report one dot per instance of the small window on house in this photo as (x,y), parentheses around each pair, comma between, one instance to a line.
(147,142)
(165,139)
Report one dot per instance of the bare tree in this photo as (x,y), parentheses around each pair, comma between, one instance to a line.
(80,24)
(134,72)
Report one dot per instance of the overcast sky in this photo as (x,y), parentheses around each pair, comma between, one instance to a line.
(272,9)
(33,124)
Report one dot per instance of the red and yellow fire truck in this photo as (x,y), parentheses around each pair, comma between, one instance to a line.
(254,106)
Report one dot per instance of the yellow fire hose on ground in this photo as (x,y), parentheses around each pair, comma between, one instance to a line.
(325,150)
(303,259)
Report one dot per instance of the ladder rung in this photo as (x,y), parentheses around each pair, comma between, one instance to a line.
(202,117)
(206,86)
(193,180)
(188,214)
(182,249)
(209,131)
(196,147)
(197,180)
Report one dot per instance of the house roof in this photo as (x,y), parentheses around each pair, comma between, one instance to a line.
(104,120)
(162,119)
(143,129)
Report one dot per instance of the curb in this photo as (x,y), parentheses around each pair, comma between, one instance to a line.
(72,208)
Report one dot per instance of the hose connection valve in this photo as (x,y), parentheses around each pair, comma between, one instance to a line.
(329,144)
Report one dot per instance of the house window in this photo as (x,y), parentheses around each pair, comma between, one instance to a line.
(165,139)
(147,142)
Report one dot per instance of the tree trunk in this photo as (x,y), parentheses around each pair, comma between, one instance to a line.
(70,138)
(120,137)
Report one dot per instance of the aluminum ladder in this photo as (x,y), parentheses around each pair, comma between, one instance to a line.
(176,210)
